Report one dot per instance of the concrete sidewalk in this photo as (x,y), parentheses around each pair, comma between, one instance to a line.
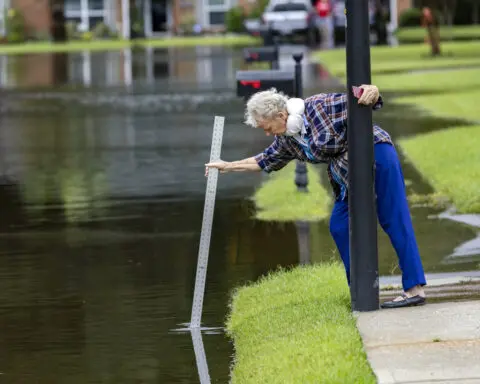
(435,343)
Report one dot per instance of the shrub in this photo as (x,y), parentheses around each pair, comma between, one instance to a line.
(411,17)
(41,36)
(186,26)
(258,9)
(101,31)
(15,26)
(72,30)
(87,36)
(234,20)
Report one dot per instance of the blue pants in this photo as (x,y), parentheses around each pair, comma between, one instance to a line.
(393,215)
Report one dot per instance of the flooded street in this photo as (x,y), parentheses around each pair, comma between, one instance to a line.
(101,191)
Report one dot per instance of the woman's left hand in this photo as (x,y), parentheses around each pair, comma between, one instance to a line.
(369,96)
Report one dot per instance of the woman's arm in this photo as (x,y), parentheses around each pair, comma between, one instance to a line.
(245,165)
(273,158)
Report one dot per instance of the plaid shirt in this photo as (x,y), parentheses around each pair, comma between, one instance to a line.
(326,125)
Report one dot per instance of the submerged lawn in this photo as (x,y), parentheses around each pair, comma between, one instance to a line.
(278,199)
(450,161)
(297,327)
(405,58)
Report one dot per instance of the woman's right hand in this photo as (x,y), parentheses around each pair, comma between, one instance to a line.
(220,165)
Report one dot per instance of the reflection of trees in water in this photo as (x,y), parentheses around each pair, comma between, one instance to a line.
(11,208)
(60,68)
(62,174)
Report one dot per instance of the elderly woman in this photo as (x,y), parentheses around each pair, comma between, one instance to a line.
(315,130)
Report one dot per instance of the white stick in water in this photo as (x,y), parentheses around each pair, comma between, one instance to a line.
(200,356)
(208,209)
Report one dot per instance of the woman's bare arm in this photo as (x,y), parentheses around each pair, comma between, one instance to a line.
(245,165)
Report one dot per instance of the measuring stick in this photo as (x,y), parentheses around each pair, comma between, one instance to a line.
(208,209)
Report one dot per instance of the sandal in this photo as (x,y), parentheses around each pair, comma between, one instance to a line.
(406,302)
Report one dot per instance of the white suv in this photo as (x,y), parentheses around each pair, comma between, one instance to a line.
(292,17)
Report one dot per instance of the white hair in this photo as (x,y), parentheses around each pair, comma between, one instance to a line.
(264,105)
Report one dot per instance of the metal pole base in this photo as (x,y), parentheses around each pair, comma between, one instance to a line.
(301,176)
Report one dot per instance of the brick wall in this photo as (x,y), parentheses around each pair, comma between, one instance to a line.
(246,4)
(402,5)
(37,15)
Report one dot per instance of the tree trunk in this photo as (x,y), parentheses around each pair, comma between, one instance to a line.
(58,29)
(475,12)
(449,11)
(432,25)
(60,68)
(434,38)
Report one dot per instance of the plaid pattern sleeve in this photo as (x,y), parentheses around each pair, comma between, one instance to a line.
(326,114)
(274,157)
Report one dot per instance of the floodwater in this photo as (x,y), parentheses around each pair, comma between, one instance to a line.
(102,190)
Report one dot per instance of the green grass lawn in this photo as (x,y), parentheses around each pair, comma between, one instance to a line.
(106,45)
(386,60)
(450,161)
(427,82)
(278,199)
(458,32)
(297,327)
(463,105)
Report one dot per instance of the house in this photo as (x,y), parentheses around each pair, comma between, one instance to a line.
(153,16)
(162,16)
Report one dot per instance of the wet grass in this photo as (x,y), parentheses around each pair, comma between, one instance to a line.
(236,40)
(109,45)
(403,58)
(278,199)
(462,105)
(457,80)
(297,327)
(458,32)
(450,161)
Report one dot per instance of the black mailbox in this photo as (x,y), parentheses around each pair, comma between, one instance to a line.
(250,82)
(260,54)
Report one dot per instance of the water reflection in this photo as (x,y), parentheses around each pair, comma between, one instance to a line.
(101,195)
(200,356)
(208,67)
(470,249)
(303,235)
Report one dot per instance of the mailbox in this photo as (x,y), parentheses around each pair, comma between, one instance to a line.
(250,82)
(256,54)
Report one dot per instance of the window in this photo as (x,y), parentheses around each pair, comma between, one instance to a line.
(217,18)
(87,12)
(216,10)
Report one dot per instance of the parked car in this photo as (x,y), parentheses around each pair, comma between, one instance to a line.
(288,18)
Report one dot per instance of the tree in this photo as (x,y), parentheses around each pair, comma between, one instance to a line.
(475,10)
(430,22)
(449,8)
(58,29)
